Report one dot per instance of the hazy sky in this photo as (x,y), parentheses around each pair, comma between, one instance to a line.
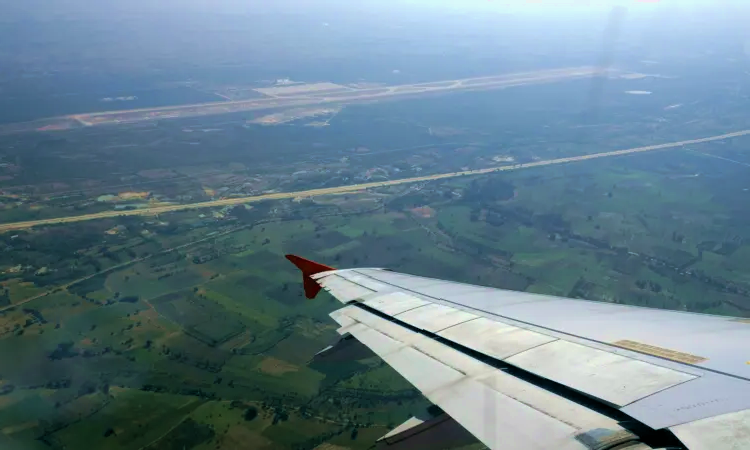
(87,33)
(537,6)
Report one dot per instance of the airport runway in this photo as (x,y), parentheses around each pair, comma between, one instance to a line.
(344,95)
(357,187)
(306,97)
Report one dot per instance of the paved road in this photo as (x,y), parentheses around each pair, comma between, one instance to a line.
(358,187)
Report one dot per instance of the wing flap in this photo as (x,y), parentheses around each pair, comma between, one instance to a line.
(342,318)
(434,317)
(494,338)
(436,433)
(726,432)
(613,378)
(499,409)
(425,373)
(500,422)
(708,396)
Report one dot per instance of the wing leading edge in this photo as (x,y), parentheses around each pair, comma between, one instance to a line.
(525,371)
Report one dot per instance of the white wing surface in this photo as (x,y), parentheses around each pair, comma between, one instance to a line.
(525,371)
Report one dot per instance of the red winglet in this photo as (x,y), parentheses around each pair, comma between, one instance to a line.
(309,268)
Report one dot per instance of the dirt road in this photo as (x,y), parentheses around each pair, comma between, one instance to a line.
(358,187)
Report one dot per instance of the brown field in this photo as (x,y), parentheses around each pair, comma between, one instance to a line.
(330,447)
(241,437)
(19,427)
(425,212)
(273,366)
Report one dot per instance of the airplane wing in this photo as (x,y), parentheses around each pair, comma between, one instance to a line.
(525,371)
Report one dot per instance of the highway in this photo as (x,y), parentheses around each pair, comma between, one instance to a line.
(358,187)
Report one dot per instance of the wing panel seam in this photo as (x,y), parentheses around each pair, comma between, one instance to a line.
(593,403)
(606,344)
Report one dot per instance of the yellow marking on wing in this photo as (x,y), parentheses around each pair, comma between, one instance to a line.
(665,353)
(742,320)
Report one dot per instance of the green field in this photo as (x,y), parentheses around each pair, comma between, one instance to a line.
(181,331)
(188,334)
(165,333)
(153,354)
